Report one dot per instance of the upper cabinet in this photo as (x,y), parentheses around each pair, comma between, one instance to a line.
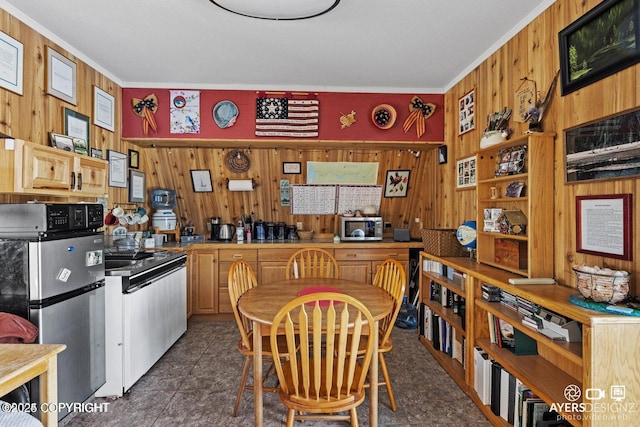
(515,205)
(39,169)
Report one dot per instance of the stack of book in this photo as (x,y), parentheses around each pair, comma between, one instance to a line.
(490,293)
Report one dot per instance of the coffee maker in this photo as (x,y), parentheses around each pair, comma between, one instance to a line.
(215,227)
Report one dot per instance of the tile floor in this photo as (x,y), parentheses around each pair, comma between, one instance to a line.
(195,384)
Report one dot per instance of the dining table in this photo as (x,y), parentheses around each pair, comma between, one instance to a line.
(261,303)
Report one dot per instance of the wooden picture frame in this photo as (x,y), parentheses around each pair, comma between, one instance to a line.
(442,154)
(103,109)
(61,76)
(294,168)
(96,153)
(588,148)
(589,52)
(12,53)
(117,169)
(137,186)
(201,181)
(134,159)
(604,226)
(397,183)
(467,112)
(61,142)
(466,176)
(77,126)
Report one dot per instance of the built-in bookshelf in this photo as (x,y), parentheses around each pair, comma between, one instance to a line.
(602,359)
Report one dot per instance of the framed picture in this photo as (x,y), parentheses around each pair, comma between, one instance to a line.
(62,142)
(511,161)
(134,159)
(96,153)
(137,186)
(201,180)
(76,125)
(80,146)
(103,109)
(466,172)
(61,77)
(291,167)
(603,41)
(117,169)
(603,226)
(442,154)
(466,112)
(397,184)
(589,148)
(12,54)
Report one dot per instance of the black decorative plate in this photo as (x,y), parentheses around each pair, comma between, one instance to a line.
(237,161)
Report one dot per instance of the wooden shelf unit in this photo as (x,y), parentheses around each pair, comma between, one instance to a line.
(536,203)
(606,357)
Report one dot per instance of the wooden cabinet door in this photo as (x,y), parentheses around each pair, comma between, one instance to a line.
(91,176)
(356,270)
(272,264)
(47,168)
(205,292)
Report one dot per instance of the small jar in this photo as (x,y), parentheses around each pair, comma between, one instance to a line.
(336,238)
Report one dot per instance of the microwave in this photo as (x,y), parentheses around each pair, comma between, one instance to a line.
(356,228)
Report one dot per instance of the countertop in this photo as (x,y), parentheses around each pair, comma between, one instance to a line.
(325,243)
(142,265)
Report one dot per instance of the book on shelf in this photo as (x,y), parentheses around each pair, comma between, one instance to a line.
(505,334)
(496,376)
(504,394)
(482,375)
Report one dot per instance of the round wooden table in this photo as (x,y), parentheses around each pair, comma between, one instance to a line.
(262,303)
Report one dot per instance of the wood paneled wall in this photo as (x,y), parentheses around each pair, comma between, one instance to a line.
(533,53)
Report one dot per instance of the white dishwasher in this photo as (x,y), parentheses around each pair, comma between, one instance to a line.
(144,319)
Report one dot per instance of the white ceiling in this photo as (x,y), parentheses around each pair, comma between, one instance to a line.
(404,46)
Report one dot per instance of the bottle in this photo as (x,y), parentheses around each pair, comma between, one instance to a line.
(240,234)
(248,235)
(336,238)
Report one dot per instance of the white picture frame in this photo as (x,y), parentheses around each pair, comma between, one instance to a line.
(11,63)
(201,180)
(103,109)
(117,169)
(466,176)
(61,77)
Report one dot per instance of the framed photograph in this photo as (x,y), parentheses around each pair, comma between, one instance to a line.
(77,125)
(442,154)
(603,41)
(103,109)
(134,159)
(466,112)
(137,186)
(589,147)
(61,142)
(80,146)
(292,167)
(11,72)
(96,153)
(603,226)
(117,169)
(397,183)
(201,180)
(511,161)
(466,172)
(61,77)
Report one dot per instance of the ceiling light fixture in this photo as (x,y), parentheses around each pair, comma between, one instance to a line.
(277,10)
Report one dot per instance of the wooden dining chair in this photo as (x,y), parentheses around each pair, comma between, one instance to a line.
(312,262)
(390,276)
(241,279)
(320,387)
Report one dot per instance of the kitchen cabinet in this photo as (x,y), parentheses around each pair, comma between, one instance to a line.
(40,169)
(272,263)
(204,277)
(361,265)
(529,253)
(226,257)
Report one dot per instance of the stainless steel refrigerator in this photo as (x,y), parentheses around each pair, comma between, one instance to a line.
(55,279)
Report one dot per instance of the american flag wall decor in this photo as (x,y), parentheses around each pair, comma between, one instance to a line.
(291,115)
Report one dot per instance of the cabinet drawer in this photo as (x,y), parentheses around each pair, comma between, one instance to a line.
(232,255)
(276,254)
(371,254)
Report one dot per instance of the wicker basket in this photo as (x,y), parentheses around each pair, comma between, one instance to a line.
(442,242)
(602,287)
(305,234)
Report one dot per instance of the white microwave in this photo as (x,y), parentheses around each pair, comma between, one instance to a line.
(355,228)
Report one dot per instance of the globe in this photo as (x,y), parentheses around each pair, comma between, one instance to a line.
(467,234)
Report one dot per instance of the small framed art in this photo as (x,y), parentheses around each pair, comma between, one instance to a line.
(466,112)
(61,77)
(134,159)
(12,54)
(603,225)
(442,154)
(77,125)
(137,186)
(397,183)
(201,180)
(117,169)
(61,142)
(103,109)
(96,153)
(291,167)
(466,172)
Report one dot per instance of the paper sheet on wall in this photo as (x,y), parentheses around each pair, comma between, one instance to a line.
(185,111)
(354,197)
(345,173)
(313,199)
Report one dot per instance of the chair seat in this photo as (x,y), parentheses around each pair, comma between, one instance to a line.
(384,348)
(266,345)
